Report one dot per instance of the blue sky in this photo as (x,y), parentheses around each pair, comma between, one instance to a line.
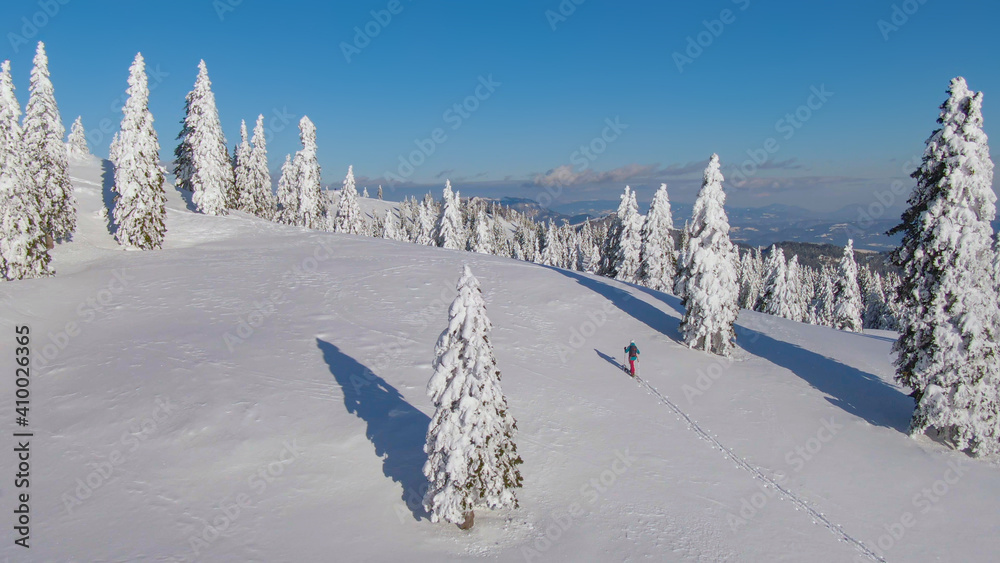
(559,72)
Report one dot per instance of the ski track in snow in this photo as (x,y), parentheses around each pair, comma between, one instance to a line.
(754,472)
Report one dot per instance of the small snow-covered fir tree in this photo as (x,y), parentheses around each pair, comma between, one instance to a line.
(482,234)
(683,260)
(45,157)
(241,166)
(948,344)
(424,228)
(23,252)
(794,282)
(847,306)
(364,194)
(202,163)
(450,232)
(751,279)
(826,298)
(658,257)
(312,208)
(140,211)
(76,144)
(712,286)
(390,227)
(471,455)
(288,193)
(348,219)
(379,196)
(628,245)
(780,292)
(256,197)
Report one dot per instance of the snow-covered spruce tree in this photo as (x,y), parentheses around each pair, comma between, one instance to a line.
(712,287)
(450,233)
(629,244)
(140,211)
(471,455)
(779,297)
(482,235)
(23,252)
(312,208)
(364,193)
(683,259)
(751,279)
(348,219)
(202,163)
(425,224)
(847,306)
(658,257)
(379,195)
(826,298)
(288,193)
(794,283)
(76,144)
(241,165)
(45,153)
(874,309)
(256,197)
(390,227)
(948,343)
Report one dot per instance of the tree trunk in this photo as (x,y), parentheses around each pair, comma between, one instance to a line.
(470,519)
(49,243)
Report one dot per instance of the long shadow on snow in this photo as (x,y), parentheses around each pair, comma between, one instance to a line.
(859,393)
(637,308)
(396,428)
(610,360)
(108,192)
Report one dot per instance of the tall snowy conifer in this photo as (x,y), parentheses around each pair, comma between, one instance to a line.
(23,252)
(450,231)
(140,211)
(948,343)
(472,458)
(46,158)
(312,207)
(390,227)
(202,162)
(712,288)
(76,144)
(624,241)
(348,219)
(241,166)
(779,297)
(288,193)
(658,257)
(256,197)
(847,306)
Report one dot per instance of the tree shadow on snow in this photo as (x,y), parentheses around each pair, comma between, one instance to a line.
(859,393)
(636,308)
(108,192)
(395,427)
(856,392)
(187,196)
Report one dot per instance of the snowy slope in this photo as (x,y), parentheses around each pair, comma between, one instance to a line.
(255,392)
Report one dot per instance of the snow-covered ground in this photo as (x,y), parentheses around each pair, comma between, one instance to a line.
(255,392)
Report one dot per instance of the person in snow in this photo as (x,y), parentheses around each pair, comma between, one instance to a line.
(632,352)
